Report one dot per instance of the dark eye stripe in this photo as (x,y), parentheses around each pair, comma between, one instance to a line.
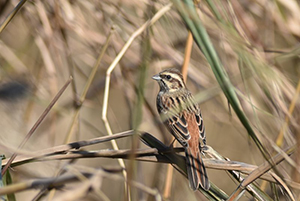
(173,80)
(165,85)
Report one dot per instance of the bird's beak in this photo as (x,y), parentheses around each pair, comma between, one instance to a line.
(156,77)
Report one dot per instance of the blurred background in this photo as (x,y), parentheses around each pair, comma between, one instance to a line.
(46,42)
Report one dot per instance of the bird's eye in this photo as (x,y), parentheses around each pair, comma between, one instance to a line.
(169,77)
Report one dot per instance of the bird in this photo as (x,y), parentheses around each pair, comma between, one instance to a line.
(182,117)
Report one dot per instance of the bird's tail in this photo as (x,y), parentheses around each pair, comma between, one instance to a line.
(196,170)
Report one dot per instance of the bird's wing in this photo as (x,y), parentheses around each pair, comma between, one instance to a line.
(179,127)
(200,124)
(175,120)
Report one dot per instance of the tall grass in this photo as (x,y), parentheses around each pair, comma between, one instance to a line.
(243,70)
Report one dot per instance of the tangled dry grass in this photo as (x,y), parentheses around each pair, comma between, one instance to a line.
(111,49)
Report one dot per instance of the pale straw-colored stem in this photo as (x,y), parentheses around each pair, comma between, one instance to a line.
(159,14)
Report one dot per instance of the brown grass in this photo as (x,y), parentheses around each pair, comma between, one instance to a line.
(46,42)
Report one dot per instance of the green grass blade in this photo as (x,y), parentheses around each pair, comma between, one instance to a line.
(189,15)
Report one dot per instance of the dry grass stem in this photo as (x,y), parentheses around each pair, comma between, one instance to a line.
(37,123)
(242,52)
(86,87)
(108,74)
(11,15)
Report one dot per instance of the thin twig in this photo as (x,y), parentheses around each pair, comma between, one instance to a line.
(91,178)
(65,148)
(259,171)
(187,55)
(279,140)
(152,155)
(87,86)
(37,123)
(159,14)
(12,14)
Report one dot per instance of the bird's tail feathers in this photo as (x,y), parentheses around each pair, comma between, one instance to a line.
(196,170)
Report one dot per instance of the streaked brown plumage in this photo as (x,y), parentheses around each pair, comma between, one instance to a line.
(182,116)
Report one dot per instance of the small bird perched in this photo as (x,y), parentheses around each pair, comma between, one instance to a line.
(182,116)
